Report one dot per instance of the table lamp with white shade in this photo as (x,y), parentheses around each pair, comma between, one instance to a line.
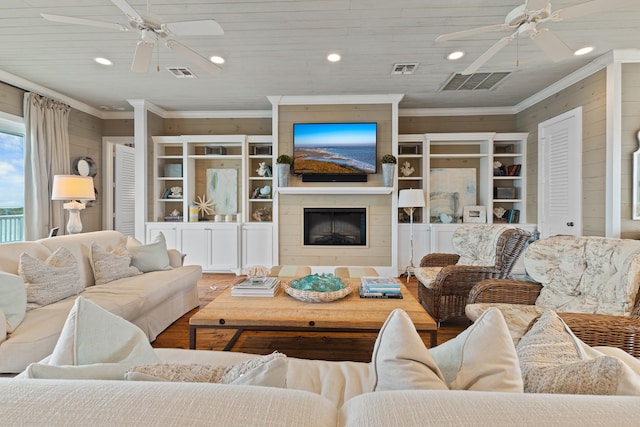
(411,199)
(74,188)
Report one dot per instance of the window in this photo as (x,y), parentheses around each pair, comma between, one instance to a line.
(12,179)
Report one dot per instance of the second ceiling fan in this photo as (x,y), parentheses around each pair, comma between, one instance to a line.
(524,21)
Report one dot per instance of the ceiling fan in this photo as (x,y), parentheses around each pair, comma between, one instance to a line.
(524,21)
(152,29)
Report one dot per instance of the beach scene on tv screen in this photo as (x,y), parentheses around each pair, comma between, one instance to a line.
(334,148)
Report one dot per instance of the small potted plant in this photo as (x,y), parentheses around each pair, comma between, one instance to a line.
(283,164)
(388,169)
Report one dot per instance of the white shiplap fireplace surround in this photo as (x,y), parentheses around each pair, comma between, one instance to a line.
(380,201)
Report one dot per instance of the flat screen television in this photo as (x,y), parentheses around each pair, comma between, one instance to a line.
(334,149)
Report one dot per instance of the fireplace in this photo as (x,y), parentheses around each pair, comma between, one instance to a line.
(335,226)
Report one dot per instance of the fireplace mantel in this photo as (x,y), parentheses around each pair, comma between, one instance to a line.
(335,190)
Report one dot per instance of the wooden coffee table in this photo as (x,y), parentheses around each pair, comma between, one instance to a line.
(284,313)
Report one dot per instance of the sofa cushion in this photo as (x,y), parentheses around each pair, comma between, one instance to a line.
(585,274)
(80,244)
(481,358)
(111,265)
(552,361)
(13,300)
(10,255)
(50,280)
(151,257)
(268,371)
(476,244)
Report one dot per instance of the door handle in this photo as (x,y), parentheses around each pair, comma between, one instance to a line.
(570,224)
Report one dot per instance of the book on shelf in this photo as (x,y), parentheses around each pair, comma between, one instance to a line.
(512,216)
(248,288)
(514,170)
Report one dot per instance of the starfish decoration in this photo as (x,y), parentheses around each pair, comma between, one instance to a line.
(204,205)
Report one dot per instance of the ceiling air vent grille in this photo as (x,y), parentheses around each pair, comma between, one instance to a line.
(182,72)
(476,81)
(406,68)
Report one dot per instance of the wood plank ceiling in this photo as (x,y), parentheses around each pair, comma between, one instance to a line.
(280,48)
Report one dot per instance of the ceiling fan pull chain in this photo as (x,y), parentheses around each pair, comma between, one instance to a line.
(158,57)
(517,52)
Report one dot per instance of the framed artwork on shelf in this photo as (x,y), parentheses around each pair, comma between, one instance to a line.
(222,190)
(451,189)
(475,215)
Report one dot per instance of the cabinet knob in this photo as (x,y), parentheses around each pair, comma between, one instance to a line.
(570,224)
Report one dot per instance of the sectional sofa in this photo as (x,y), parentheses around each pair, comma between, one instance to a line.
(151,300)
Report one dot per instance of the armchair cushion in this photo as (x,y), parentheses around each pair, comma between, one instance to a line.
(517,316)
(585,274)
(477,244)
(427,275)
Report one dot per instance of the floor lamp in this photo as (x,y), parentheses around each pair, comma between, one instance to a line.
(74,188)
(410,200)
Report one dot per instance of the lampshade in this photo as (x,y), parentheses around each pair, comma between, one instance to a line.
(412,198)
(73,187)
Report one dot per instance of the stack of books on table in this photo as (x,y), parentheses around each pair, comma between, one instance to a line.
(379,287)
(248,288)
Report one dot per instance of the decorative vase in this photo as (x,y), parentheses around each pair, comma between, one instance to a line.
(388,172)
(283,174)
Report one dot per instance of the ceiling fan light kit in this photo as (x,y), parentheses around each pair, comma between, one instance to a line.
(152,28)
(524,21)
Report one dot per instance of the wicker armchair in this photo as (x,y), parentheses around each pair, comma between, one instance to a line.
(592,322)
(483,251)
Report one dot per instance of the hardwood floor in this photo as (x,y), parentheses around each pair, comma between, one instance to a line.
(328,346)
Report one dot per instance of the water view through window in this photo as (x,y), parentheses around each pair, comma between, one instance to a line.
(12,192)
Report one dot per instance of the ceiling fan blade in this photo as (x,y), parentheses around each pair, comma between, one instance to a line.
(127,10)
(207,27)
(551,45)
(532,5)
(142,57)
(193,56)
(482,59)
(82,21)
(595,6)
(472,32)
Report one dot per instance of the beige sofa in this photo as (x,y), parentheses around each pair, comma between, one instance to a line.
(472,379)
(152,300)
(318,393)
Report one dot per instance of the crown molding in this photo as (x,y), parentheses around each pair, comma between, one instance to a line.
(335,99)
(470,111)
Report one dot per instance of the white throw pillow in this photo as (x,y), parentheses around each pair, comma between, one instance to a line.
(92,334)
(151,257)
(13,300)
(554,360)
(400,360)
(480,358)
(109,266)
(50,280)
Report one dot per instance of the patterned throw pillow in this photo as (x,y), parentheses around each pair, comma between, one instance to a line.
(109,266)
(269,370)
(551,362)
(51,280)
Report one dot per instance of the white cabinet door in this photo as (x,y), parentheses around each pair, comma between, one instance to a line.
(195,243)
(257,245)
(421,244)
(441,235)
(169,230)
(225,248)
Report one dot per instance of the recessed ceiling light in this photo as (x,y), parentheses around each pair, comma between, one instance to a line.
(455,55)
(334,57)
(102,61)
(217,59)
(583,51)
(118,108)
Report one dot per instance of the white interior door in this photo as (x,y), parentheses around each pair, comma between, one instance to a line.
(560,174)
(124,191)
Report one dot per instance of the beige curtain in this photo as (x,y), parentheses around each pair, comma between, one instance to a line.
(46,149)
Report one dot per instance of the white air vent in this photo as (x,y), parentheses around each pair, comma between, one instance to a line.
(182,72)
(407,68)
(477,81)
